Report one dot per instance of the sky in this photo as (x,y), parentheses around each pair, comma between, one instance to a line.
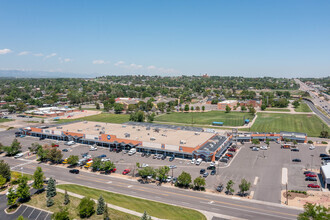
(278,38)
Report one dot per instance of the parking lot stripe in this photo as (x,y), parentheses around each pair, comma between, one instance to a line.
(24,210)
(38,215)
(31,213)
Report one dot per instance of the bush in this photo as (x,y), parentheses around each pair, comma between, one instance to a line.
(86,207)
(310,142)
(324,142)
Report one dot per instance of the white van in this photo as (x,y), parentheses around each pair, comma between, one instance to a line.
(199,161)
(132,151)
(69,143)
(18,155)
(93,148)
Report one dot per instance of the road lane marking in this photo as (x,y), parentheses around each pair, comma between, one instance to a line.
(255,181)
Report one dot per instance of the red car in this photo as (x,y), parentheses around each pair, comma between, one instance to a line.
(310,175)
(55,145)
(229,155)
(126,171)
(313,186)
(113,170)
(232,149)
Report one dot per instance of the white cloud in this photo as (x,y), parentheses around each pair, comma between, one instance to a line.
(65,60)
(23,53)
(119,63)
(50,55)
(100,62)
(38,54)
(151,67)
(5,51)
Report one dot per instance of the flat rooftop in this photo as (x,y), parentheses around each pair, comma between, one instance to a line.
(139,133)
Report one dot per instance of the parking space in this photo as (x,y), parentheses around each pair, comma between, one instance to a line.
(31,213)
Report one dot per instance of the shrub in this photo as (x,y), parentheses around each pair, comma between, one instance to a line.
(86,207)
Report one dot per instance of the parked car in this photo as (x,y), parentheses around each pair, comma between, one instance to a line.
(163,157)
(324,155)
(199,161)
(22,135)
(296,160)
(159,156)
(220,188)
(169,179)
(143,154)
(310,175)
(325,158)
(229,155)
(74,171)
(148,154)
(69,143)
(202,171)
(126,171)
(264,147)
(312,147)
(205,174)
(255,149)
(41,138)
(172,166)
(212,164)
(310,179)
(92,148)
(175,179)
(226,157)
(132,151)
(313,185)
(225,160)
(193,161)
(171,158)
(144,165)
(18,155)
(211,168)
(213,172)
(309,172)
(102,156)
(65,150)
(55,145)
(125,151)
(295,149)
(232,149)
(155,156)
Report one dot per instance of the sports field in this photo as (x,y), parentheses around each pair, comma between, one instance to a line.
(206,118)
(303,107)
(277,109)
(272,122)
(104,117)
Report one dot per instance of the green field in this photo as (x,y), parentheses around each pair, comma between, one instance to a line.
(272,122)
(206,118)
(103,117)
(156,209)
(4,120)
(39,201)
(303,107)
(277,109)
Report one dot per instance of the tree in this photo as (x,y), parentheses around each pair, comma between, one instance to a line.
(162,173)
(203,108)
(252,111)
(73,160)
(106,213)
(244,186)
(151,117)
(192,108)
(243,108)
(51,188)
(100,206)
(107,166)
(324,134)
(118,108)
(23,190)
(184,179)
(263,107)
(294,142)
(38,179)
(267,142)
(146,171)
(228,109)
(5,170)
(198,108)
(199,182)
(295,104)
(20,218)
(186,108)
(97,164)
(229,187)
(314,212)
(63,214)
(255,141)
(11,197)
(50,201)
(2,181)
(97,105)
(145,216)
(34,147)
(66,198)
(55,155)
(42,153)
(138,116)
(86,207)
(14,148)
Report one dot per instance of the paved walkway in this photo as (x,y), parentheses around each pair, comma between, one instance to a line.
(109,205)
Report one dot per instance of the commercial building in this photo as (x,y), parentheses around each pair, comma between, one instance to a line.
(231,103)
(277,137)
(325,173)
(178,141)
(51,111)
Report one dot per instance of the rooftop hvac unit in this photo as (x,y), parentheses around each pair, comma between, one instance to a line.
(183,142)
(152,139)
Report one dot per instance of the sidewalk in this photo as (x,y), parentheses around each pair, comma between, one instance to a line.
(109,205)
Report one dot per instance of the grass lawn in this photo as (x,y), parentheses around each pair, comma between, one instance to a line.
(272,122)
(206,118)
(103,117)
(4,120)
(39,201)
(155,209)
(277,109)
(303,107)
(16,175)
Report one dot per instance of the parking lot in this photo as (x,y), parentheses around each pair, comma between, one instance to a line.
(263,168)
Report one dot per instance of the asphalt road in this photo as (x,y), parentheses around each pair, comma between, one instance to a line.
(225,205)
(318,112)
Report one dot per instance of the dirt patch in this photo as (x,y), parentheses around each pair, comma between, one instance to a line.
(80,114)
(299,200)
(293,195)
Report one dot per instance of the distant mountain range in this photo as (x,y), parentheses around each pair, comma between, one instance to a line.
(42,74)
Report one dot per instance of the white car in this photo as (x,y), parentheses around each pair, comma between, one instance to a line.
(199,161)
(69,143)
(193,161)
(264,147)
(312,147)
(169,179)
(172,166)
(145,165)
(93,148)
(255,149)
(18,155)
(212,164)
